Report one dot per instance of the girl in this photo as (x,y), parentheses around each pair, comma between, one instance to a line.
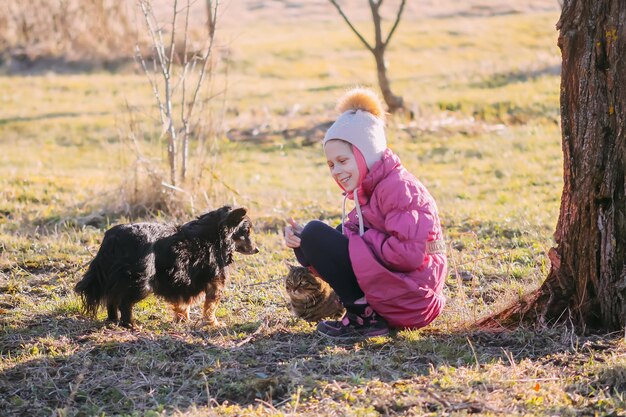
(386,261)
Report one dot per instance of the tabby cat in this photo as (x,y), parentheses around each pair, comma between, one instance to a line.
(311,298)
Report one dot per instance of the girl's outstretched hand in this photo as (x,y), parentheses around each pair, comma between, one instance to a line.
(292,234)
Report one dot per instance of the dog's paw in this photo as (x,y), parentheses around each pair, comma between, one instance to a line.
(111,323)
(131,326)
(118,324)
(213,322)
(180,319)
(181,313)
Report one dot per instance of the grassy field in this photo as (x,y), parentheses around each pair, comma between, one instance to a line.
(485,141)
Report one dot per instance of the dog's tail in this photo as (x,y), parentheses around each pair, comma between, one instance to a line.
(90,288)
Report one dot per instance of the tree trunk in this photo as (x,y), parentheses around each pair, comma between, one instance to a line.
(587,280)
(394,102)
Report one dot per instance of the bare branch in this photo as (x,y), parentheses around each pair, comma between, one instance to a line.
(183,77)
(190,105)
(367,45)
(205,58)
(395,24)
(378,37)
(165,63)
(157,41)
(186,38)
(173,38)
(153,84)
(210,17)
(131,134)
(182,107)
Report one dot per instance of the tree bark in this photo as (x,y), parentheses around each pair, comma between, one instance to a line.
(393,102)
(587,280)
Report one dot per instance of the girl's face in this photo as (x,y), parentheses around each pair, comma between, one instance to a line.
(342,164)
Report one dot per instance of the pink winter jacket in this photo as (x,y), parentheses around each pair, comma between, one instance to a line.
(401,278)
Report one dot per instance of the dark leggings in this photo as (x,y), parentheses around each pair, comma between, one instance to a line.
(326,250)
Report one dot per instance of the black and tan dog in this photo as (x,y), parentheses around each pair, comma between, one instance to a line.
(177,263)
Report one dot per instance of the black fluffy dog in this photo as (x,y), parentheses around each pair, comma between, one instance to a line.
(177,263)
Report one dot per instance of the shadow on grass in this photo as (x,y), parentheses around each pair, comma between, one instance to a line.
(54,362)
(22,65)
(60,362)
(49,116)
(522,76)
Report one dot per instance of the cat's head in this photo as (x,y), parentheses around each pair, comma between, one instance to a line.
(300,283)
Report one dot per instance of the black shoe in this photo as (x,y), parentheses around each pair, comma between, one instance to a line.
(355,326)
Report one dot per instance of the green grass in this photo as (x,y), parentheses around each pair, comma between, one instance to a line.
(485,141)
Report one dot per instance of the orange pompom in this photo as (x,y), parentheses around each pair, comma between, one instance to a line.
(361,99)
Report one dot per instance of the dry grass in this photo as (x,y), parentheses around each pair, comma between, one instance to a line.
(275,366)
(486,142)
(66,34)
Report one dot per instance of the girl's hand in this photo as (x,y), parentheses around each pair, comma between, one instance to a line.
(292,234)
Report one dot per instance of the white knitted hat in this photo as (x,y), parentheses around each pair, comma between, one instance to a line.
(361,124)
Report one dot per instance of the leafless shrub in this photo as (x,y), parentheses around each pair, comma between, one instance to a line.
(180,78)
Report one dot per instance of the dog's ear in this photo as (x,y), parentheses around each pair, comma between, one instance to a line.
(235,217)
